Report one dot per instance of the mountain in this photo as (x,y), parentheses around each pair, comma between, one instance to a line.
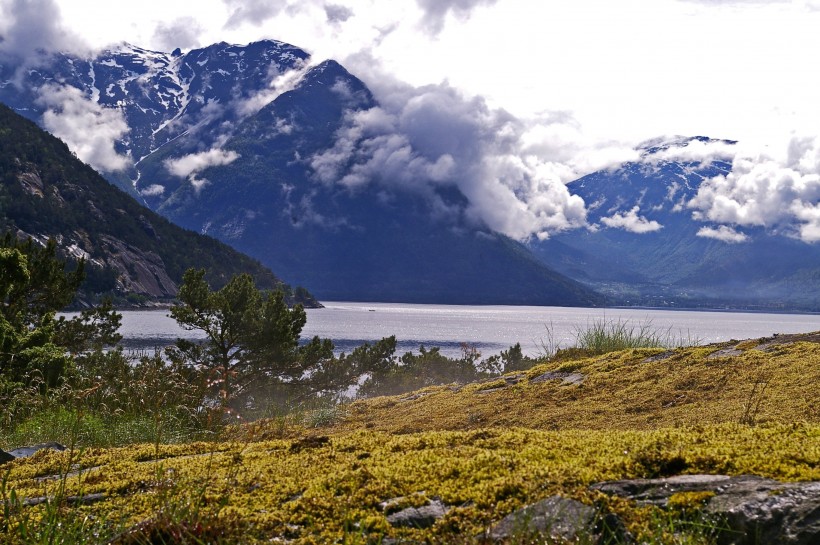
(670,262)
(220,141)
(46,192)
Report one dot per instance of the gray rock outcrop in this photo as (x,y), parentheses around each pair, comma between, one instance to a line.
(25,452)
(748,510)
(560,518)
(419,517)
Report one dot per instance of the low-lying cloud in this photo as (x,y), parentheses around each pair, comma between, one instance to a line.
(631,221)
(779,194)
(513,172)
(189,166)
(723,233)
(90,130)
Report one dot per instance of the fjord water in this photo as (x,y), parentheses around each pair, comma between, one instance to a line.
(489,329)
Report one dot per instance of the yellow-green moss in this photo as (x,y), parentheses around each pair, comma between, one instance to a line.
(484,449)
(318,490)
(689,501)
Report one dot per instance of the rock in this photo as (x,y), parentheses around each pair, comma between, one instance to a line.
(70,500)
(560,518)
(419,517)
(566,376)
(749,509)
(5,457)
(725,353)
(25,452)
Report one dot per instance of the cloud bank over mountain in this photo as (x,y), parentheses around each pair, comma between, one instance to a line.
(512,168)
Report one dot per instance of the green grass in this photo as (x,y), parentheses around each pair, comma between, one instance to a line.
(602,336)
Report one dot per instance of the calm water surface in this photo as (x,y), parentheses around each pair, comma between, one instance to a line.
(489,328)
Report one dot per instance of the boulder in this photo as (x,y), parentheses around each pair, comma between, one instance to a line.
(749,510)
(5,457)
(419,517)
(25,452)
(560,518)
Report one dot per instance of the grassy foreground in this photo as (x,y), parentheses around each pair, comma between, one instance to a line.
(485,449)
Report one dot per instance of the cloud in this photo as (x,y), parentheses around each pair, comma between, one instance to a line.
(189,166)
(337,13)
(436,11)
(779,194)
(684,149)
(90,130)
(197,162)
(512,171)
(632,222)
(183,33)
(30,28)
(723,233)
(280,82)
(153,190)
(255,12)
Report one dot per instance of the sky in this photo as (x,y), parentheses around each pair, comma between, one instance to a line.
(584,80)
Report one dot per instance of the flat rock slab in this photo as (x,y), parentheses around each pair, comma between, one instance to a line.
(25,452)
(566,376)
(559,518)
(725,353)
(419,517)
(5,457)
(754,510)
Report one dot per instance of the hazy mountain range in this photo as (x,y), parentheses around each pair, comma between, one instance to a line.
(262,149)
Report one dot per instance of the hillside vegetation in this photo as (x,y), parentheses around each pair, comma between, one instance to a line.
(483,449)
(46,192)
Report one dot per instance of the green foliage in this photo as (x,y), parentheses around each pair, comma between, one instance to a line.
(252,337)
(512,359)
(387,374)
(603,336)
(33,286)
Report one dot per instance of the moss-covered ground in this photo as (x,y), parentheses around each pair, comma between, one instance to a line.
(484,449)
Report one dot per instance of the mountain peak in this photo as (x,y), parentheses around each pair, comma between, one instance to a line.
(663,143)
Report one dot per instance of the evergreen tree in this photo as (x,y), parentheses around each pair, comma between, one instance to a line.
(251,336)
(36,347)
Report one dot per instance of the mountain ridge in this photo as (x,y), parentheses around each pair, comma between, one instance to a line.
(234,143)
(47,193)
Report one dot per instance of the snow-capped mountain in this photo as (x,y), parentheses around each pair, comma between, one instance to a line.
(232,141)
(158,97)
(645,245)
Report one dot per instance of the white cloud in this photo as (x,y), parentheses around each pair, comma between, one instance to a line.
(780,194)
(337,13)
(632,222)
(723,233)
(28,27)
(153,190)
(189,166)
(255,12)
(280,82)
(183,33)
(436,11)
(197,162)
(511,171)
(90,130)
(694,151)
